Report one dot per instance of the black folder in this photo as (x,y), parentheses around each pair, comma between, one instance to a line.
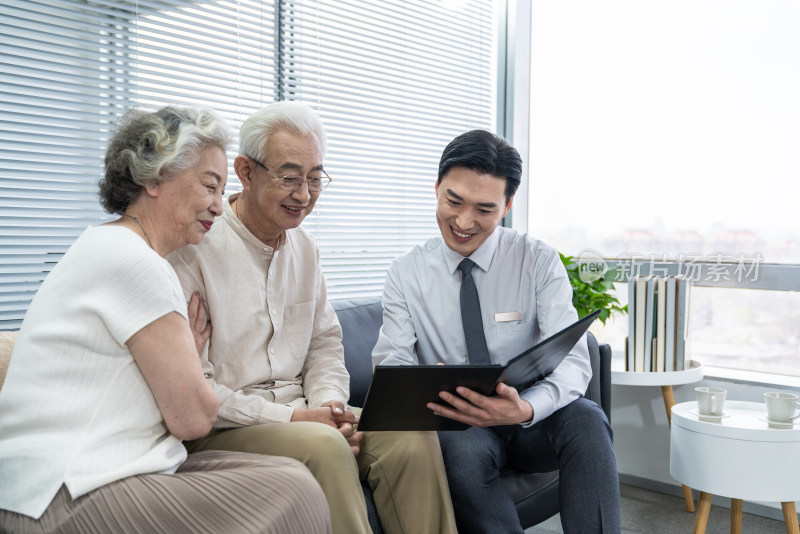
(397,395)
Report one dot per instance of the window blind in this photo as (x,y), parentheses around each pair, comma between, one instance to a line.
(70,69)
(58,94)
(393,80)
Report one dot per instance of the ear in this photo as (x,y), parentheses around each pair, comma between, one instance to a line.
(244,170)
(436,188)
(153,189)
(508,206)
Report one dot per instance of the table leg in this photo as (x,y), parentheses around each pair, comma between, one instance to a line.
(669,402)
(736,516)
(790,517)
(703,508)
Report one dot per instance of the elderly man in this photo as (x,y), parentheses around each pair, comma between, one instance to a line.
(275,357)
(512,291)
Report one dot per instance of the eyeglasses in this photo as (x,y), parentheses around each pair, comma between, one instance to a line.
(293,183)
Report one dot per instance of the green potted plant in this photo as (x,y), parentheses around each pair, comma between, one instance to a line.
(592,287)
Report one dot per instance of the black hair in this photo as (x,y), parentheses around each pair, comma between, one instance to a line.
(486,153)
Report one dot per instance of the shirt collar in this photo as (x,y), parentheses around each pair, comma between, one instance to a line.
(239,227)
(482,256)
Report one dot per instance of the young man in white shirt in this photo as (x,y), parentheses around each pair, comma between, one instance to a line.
(524,296)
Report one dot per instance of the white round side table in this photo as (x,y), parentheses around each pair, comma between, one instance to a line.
(740,456)
(692,373)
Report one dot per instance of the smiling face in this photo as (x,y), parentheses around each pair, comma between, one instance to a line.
(270,210)
(193,197)
(470,206)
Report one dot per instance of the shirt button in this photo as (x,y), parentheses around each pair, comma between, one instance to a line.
(274,312)
(272,350)
(272,273)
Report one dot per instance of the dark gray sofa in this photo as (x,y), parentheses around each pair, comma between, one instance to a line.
(535,494)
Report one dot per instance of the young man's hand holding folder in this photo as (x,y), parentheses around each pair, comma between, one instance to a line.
(410,397)
(474,409)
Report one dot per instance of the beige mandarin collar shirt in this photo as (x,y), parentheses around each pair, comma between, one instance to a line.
(276,342)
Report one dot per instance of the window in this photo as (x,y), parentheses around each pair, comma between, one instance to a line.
(394,81)
(667,131)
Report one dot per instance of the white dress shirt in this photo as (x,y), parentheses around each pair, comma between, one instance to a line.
(276,342)
(525,297)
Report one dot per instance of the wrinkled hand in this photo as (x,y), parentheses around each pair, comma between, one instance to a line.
(317,415)
(201,328)
(333,413)
(353,438)
(479,410)
(345,421)
(340,413)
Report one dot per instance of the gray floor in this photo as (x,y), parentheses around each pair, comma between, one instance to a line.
(650,512)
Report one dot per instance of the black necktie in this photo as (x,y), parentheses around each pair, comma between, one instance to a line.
(471,316)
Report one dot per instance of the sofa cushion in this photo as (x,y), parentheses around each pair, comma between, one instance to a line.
(361,319)
(7,340)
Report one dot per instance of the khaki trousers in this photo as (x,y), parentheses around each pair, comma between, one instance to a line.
(404,469)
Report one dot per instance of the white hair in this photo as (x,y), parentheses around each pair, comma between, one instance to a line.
(294,117)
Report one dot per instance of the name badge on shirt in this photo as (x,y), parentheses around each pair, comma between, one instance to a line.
(508,316)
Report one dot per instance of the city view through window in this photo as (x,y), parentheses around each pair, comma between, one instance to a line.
(733,327)
(669,132)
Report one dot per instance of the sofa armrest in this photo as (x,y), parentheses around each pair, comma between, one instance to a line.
(599,389)
(605,379)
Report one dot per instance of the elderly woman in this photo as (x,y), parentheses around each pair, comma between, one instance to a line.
(105,379)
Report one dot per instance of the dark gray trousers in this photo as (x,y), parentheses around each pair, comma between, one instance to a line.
(575,440)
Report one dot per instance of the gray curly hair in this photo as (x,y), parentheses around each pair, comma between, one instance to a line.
(150,146)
